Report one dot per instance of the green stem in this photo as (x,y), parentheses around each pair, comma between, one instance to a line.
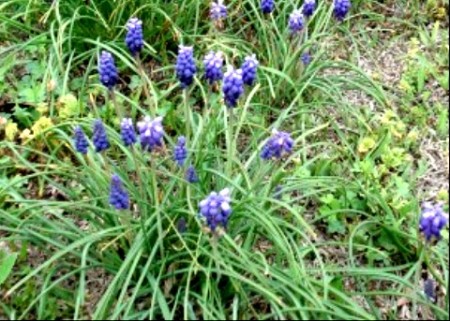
(143,199)
(105,163)
(187,116)
(417,282)
(229,139)
(112,95)
(157,207)
(304,143)
(138,173)
(430,269)
(146,92)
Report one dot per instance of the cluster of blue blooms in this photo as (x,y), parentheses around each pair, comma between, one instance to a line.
(151,135)
(118,196)
(213,63)
(432,221)
(107,70)
(216,208)
(267,6)
(135,36)
(218,10)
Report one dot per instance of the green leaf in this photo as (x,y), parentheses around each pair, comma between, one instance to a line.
(6,266)
(27,116)
(335,225)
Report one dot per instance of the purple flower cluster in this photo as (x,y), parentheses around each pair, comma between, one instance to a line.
(80,141)
(108,70)
(180,151)
(267,6)
(279,144)
(135,37)
(432,221)
(213,63)
(296,21)
(191,175)
(151,133)
(309,6)
(99,137)
(218,10)
(185,67)
(306,58)
(216,209)
(118,197)
(127,132)
(341,9)
(429,288)
(233,86)
(249,69)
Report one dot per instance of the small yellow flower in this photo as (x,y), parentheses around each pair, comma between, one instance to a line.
(414,47)
(405,86)
(387,117)
(42,108)
(366,145)
(441,13)
(25,135)
(67,106)
(398,129)
(41,125)
(11,131)
(413,136)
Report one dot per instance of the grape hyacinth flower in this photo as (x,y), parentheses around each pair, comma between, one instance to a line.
(80,141)
(151,133)
(341,9)
(216,209)
(182,225)
(127,132)
(296,21)
(180,152)
(218,10)
(185,67)
(135,37)
(191,175)
(432,221)
(278,193)
(118,197)
(99,138)
(108,70)
(249,68)
(213,63)
(267,6)
(233,86)
(309,6)
(429,288)
(306,58)
(279,144)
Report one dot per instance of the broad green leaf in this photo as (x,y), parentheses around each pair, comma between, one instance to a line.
(6,266)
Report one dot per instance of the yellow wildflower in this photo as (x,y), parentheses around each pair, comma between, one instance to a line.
(413,136)
(26,134)
(42,108)
(11,131)
(41,125)
(366,145)
(68,106)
